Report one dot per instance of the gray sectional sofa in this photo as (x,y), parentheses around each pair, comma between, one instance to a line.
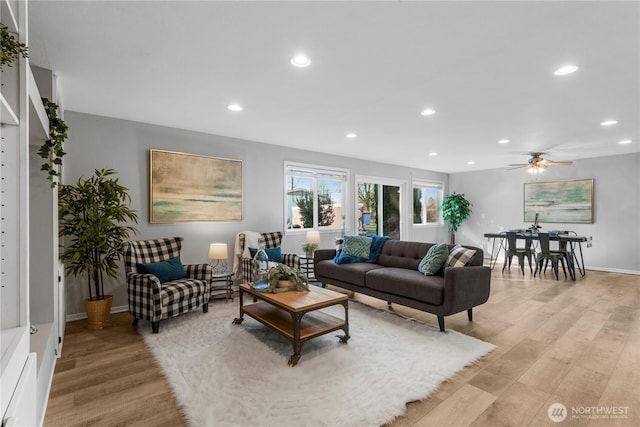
(395,278)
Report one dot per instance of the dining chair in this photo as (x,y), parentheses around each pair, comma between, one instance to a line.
(545,255)
(512,250)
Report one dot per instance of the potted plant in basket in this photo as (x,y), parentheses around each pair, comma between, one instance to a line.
(309,249)
(284,278)
(455,210)
(92,215)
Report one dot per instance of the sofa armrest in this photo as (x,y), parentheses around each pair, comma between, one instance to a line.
(465,287)
(291,260)
(144,296)
(199,271)
(323,254)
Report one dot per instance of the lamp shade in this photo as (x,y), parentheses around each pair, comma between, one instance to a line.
(313,237)
(218,251)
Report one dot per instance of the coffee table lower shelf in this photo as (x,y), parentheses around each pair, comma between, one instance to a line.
(311,325)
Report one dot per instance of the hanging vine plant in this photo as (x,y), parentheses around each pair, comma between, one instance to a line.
(11,48)
(52,149)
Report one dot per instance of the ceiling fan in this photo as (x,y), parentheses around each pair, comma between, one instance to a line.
(536,164)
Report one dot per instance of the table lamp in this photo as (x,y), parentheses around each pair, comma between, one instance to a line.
(313,237)
(218,254)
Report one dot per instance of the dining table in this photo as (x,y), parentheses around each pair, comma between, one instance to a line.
(572,243)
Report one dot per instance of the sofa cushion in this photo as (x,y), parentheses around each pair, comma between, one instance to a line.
(407,283)
(349,273)
(434,259)
(402,254)
(359,246)
(459,256)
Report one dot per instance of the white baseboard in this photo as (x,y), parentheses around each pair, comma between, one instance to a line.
(613,270)
(500,260)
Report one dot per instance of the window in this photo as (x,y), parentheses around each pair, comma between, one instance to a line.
(314,197)
(379,206)
(427,197)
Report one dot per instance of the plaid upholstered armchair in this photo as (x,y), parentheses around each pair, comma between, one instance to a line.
(158,285)
(271,241)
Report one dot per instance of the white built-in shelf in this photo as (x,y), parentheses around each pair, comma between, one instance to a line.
(8,15)
(7,114)
(38,120)
(15,349)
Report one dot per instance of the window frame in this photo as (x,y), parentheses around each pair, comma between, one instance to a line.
(426,183)
(315,172)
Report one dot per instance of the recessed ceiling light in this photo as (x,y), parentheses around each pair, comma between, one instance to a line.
(565,69)
(608,122)
(351,135)
(625,141)
(300,61)
(234,107)
(504,141)
(433,154)
(471,162)
(428,112)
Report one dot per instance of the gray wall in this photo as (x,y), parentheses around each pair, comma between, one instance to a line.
(99,142)
(498,204)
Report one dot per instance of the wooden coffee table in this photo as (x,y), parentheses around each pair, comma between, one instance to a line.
(296,315)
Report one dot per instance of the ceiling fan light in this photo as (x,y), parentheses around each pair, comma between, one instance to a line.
(300,61)
(565,70)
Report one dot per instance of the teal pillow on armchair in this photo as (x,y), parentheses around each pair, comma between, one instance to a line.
(165,271)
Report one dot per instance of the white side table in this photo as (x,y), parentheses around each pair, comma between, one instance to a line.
(221,284)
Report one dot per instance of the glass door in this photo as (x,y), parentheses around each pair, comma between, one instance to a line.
(378,207)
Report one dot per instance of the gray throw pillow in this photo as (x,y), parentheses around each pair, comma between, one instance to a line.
(434,259)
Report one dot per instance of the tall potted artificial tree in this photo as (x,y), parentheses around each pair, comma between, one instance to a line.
(455,210)
(92,215)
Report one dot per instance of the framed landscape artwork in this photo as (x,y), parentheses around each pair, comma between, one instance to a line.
(559,201)
(188,187)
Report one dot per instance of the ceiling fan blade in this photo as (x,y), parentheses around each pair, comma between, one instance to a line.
(552,163)
(517,166)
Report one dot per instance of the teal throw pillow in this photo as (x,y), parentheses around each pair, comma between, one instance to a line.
(359,246)
(165,271)
(274,254)
(434,259)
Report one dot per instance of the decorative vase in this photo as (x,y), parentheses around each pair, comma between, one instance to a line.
(98,312)
(260,263)
(309,254)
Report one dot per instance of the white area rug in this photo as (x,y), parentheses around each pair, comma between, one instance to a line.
(237,375)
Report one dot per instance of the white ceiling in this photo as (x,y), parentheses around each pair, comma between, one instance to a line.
(486,67)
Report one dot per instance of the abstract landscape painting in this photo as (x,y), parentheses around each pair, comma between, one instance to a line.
(559,201)
(188,187)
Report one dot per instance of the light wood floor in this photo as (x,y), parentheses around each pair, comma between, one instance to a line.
(576,343)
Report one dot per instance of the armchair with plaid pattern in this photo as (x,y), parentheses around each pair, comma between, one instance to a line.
(154,301)
(271,240)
